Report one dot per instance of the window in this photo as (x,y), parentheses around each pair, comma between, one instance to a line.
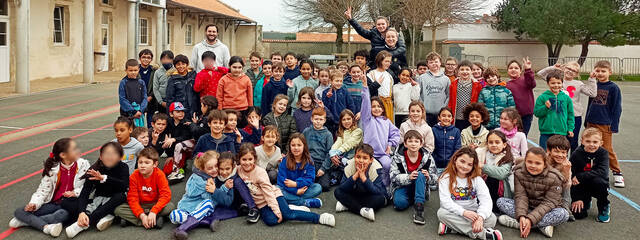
(151,1)
(3,33)
(107,2)
(143,32)
(169,32)
(4,8)
(58,25)
(188,34)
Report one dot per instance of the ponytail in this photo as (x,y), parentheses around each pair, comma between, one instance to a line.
(60,146)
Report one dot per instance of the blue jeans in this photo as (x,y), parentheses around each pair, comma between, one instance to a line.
(576,133)
(543,140)
(313,191)
(526,123)
(271,219)
(401,196)
(48,213)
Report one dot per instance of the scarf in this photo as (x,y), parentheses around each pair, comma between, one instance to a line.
(508,133)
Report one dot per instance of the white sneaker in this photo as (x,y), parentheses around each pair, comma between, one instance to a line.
(175,176)
(105,222)
(53,229)
(74,229)
(618,180)
(509,221)
(15,223)
(327,219)
(547,231)
(368,214)
(299,208)
(340,207)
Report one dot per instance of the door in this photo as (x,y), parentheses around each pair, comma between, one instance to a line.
(4,41)
(105,39)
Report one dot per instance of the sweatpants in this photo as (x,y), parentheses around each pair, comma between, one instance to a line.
(48,213)
(204,209)
(358,198)
(405,196)
(313,191)
(270,218)
(103,206)
(124,211)
(554,217)
(585,191)
(463,225)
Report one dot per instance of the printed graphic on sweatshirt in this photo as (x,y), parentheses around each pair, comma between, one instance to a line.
(431,89)
(601,98)
(463,193)
(571,91)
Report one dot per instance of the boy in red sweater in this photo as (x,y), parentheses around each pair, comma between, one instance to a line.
(149,196)
(208,78)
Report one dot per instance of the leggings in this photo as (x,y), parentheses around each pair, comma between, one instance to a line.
(270,218)
(553,218)
(204,209)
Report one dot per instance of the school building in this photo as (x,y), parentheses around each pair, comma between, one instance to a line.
(60,38)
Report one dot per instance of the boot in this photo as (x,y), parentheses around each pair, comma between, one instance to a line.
(181,231)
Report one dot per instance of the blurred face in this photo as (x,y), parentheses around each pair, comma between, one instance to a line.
(555,85)
(315,73)
(343,69)
(592,143)
(181,67)
(110,157)
(72,153)
(376,109)
(464,73)
(270,138)
(232,121)
(495,144)
(405,76)
(254,62)
(415,113)
(324,78)
(212,34)
(211,168)
(203,108)
(276,59)
(475,118)
(305,101)
(318,121)
(464,165)
(247,162)
(386,63)
(534,164)
(253,116)
(177,115)
(236,69)
(514,70)
(305,71)
(602,74)
(146,165)
(434,65)
(159,125)
(336,83)
(391,38)
(296,147)
(445,118)
(422,69)
(506,122)
(347,122)
(132,71)
(145,60)
(278,73)
(360,60)
(290,61)
(217,126)
(558,155)
(356,74)
(492,80)
(413,144)
(381,25)
(281,106)
(166,60)
(476,71)
(266,70)
(450,66)
(362,160)
(209,63)
(225,169)
(123,132)
(144,139)
(571,72)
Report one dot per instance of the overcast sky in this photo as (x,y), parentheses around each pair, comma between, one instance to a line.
(270,13)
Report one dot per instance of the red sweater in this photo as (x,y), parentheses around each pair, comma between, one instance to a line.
(476,87)
(207,81)
(235,92)
(154,189)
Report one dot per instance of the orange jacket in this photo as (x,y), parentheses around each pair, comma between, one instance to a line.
(154,189)
(476,87)
(235,93)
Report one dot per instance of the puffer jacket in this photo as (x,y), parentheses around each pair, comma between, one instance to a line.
(400,176)
(446,141)
(377,42)
(535,196)
(495,99)
(48,183)
(286,125)
(180,89)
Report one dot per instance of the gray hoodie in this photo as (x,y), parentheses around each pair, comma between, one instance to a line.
(221,51)
(434,91)
(131,151)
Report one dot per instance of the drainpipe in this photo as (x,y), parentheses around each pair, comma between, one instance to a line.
(131,29)
(159,32)
(87,42)
(22,48)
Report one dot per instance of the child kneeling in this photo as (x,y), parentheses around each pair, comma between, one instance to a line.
(589,166)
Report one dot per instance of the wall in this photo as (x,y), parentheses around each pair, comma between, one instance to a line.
(309,48)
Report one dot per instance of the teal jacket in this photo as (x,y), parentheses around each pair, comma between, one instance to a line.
(496,98)
(557,119)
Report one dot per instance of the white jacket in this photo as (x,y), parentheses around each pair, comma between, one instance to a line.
(47,186)
(403,94)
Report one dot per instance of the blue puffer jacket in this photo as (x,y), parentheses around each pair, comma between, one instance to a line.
(496,98)
(447,142)
(206,143)
(340,100)
(180,89)
(196,192)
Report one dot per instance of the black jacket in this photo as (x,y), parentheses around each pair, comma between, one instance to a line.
(180,132)
(378,44)
(117,182)
(590,166)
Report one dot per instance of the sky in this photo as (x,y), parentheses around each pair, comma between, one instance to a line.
(270,13)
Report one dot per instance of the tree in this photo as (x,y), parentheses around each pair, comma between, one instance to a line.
(415,15)
(444,12)
(323,12)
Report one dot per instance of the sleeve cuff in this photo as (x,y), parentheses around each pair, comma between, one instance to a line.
(104,179)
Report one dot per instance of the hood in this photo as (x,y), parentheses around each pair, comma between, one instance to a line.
(233,173)
(324,129)
(214,45)
(132,143)
(200,173)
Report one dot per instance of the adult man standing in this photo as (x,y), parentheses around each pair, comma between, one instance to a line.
(210,43)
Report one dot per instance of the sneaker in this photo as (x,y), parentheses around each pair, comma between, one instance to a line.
(253,216)
(105,222)
(604,215)
(15,223)
(340,207)
(618,180)
(572,218)
(313,203)
(509,221)
(493,234)
(443,229)
(125,223)
(243,209)
(299,208)
(53,229)
(547,231)
(214,225)
(159,222)
(418,214)
(327,219)
(74,229)
(175,176)
(368,214)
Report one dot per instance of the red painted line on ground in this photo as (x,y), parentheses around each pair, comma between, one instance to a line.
(3,186)
(54,108)
(6,233)
(51,144)
(39,101)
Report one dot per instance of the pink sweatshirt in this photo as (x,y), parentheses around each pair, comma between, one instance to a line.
(263,193)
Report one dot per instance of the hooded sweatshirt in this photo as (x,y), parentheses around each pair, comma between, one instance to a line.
(235,92)
(379,132)
(319,142)
(131,151)
(132,91)
(269,92)
(434,91)
(559,118)
(424,130)
(221,51)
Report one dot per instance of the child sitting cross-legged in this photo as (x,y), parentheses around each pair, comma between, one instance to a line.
(296,175)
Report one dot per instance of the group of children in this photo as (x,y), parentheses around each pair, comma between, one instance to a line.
(346,127)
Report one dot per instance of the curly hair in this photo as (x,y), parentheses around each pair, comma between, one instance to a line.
(478,107)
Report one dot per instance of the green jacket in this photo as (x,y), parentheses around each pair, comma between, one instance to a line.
(496,98)
(557,119)
(286,125)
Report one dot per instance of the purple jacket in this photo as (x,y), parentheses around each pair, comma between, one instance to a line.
(522,91)
(378,132)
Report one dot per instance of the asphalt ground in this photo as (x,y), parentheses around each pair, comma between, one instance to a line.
(30,124)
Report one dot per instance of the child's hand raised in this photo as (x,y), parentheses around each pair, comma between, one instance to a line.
(592,74)
(289,83)
(229,183)
(347,13)
(254,121)
(238,135)
(194,118)
(320,103)
(526,63)
(330,92)
(95,175)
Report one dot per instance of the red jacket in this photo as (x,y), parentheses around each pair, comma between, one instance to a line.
(476,87)
(154,189)
(207,81)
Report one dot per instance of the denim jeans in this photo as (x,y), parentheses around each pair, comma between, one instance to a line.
(49,213)
(402,196)
(313,191)
(270,218)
